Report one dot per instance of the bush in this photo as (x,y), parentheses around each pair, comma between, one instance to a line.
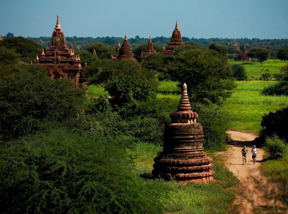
(65,172)
(126,88)
(275,123)
(275,147)
(239,72)
(266,77)
(29,101)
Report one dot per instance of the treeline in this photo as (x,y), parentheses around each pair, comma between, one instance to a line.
(83,42)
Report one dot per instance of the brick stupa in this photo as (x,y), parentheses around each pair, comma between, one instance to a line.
(175,41)
(59,60)
(183,157)
(148,51)
(243,56)
(125,52)
(0,38)
(117,50)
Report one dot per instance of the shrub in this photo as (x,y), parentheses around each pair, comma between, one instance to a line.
(266,77)
(126,88)
(29,100)
(239,72)
(275,147)
(275,123)
(65,172)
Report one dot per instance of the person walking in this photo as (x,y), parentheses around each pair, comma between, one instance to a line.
(244,153)
(254,154)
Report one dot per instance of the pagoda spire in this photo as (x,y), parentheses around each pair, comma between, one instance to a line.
(58,26)
(184,104)
(176,26)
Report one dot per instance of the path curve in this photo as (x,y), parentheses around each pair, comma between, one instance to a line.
(256,193)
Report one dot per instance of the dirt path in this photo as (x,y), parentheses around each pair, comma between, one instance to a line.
(256,193)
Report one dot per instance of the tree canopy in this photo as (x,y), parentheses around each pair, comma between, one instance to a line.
(261,54)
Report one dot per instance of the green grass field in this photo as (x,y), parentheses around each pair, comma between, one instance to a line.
(255,69)
(246,107)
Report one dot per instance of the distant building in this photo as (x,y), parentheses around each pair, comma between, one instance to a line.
(148,51)
(117,50)
(234,45)
(125,52)
(59,60)
(175,41)
(243,56)
(0,38)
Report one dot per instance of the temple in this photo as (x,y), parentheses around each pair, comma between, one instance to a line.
(183,157)
(95,53)
(59,60)
(243,56)
(0,38)
(117,50)
(175,41)
(234,45)
(148,51)
(125,52)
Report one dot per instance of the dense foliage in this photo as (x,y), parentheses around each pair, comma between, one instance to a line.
(239,72)
(275,147)
(206,72)
(26,48)
(261,54)
(65,172)
(280,88)
(29,100)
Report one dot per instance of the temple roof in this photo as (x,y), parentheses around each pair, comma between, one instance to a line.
(148,51)
(125,51)
(175,41)
(58,38)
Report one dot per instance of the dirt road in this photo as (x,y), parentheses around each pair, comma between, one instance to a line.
(256,193)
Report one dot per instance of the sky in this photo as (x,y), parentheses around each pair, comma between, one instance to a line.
(263,19)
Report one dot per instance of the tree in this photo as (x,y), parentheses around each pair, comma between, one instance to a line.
(239,72)
(282,53)
(8,57)
(103,51)
(26,48)
(126,88)
(261,54)
(206,73)
(29,101)
(223,50)
(9,35)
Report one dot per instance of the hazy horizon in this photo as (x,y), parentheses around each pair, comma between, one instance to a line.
(265,19)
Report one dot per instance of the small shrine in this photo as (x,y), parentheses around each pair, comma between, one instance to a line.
(59,60)
(175,41)
(117,50)
(243,56)
(148,51)
(183,157)
(125,51)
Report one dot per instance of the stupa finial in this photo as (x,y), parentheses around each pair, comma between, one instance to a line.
(125,37)
(184,104)
(176,27)
(58,26)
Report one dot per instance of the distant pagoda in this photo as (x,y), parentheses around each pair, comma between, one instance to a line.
(183,157)
(0,38)
(175,41)
(125,52)
(243,56)
(117,50)
(59,60)
(148,51)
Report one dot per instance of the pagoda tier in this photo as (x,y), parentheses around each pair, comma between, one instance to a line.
(117,50)
(125,52)
(183,157)
(175,41)
(148,51)
(243,56)
(59,60)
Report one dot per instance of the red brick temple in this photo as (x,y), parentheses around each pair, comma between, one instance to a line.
(175,41)
(243,56)
(0,38)
(125,52)
(117,50)
(183,157)
(60,61)
(148,51)
(234,45)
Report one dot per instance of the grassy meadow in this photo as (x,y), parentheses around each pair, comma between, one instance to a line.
(255,69)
